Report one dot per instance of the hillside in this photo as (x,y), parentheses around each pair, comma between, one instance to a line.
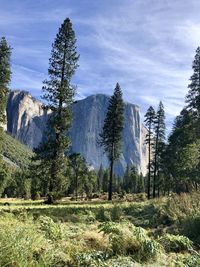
(15,153)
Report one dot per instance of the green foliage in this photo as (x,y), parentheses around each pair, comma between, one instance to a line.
(5,73)
(158,148)
(5,176)
(16,151)
(191,227)
(92,259)
(116,213)
(81,241)
(53,231)
(110,138)
(149,140)
(182,155)
(111,135)
(20,184)
(193,95)
(128,240)
(21,245)
(182,159)
(175,243)
(58,94)
(82,180)
(133,182)
(103,215)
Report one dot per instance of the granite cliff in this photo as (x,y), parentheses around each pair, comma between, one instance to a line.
(26,121)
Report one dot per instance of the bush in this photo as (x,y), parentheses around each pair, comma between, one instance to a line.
(92,259)
(95,240)
(116,213)
(51,229)
(175,243)
(191,227)
(21,245)
(128,240)
(103,215)
(90,218)
(121,262)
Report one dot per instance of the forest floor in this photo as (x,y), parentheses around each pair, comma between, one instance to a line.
(161,232)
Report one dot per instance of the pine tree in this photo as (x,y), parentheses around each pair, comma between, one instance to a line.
(159,144)
(193,96)
(127,179)
(100,178)
(181,136)
(105,180)
(78,173)
(58,96)
(149,122)
(5,75)
(111,136)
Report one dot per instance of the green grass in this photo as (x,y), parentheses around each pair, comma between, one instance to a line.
(98,233)
(16,151)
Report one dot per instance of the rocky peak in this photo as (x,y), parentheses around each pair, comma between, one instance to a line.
(27,122)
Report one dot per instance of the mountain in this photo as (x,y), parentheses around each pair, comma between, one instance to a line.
(26,121)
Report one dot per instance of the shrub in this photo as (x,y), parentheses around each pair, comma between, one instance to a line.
(128,240)
(51,229)
(116,213)
(21,245)
(175,243)
(121,262)
(95,240)
(90,218)
(191,227)
(103,215)
(92,259)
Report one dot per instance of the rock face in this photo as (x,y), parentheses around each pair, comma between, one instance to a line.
(27,120)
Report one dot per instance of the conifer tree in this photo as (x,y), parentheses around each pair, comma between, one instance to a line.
(105,180)
(149,122)
(193,96)
(182,135)
(111,135)
(159,144)
(78,171)
(5,74)
(127,179)
(100,178)
(58,96)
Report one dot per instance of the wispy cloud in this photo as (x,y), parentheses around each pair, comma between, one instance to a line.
(145,45)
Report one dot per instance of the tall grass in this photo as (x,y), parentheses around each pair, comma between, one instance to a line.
(103,234)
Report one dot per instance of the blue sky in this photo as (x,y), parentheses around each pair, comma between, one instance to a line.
(146,45)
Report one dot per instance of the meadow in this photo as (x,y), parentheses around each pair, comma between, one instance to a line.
(164,232)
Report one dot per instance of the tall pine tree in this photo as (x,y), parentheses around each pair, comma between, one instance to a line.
(158,145)
(111,136)
(149,122)
(5,74)
(193,96)
(58,96)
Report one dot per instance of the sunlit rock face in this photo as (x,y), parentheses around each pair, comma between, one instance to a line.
(27,122)
(26,119)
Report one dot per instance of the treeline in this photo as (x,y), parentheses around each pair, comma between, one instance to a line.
(174,166)
(79,182)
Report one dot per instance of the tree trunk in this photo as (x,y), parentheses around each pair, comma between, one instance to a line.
(110,181)
(76,188)
(149,174)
